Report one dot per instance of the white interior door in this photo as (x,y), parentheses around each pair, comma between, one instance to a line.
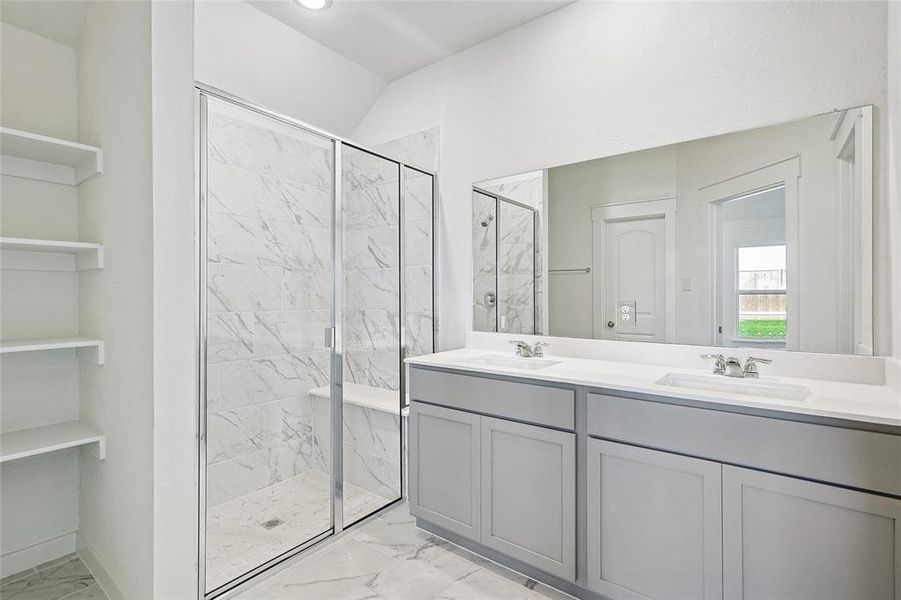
(635,279)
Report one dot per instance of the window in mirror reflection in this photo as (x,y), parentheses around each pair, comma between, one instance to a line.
(762,310)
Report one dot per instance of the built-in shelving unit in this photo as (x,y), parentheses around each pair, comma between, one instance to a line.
(88,348)
(44,158)
(35,441)
(49,255)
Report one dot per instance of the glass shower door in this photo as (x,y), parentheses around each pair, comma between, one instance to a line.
(371,332)
(269,246)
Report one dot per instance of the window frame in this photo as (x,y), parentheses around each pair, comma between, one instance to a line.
(738,292)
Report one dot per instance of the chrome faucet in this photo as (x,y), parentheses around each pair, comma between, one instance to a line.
(731,366)
(522,348)
(719,364)
(750,370)
(526,351)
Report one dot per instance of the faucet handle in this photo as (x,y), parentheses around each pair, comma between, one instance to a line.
(719,366)
(538,349)
(522,348)
(750,368)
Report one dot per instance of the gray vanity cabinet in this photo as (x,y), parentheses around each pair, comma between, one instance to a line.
(445,468)
(528,494)
(789,538)
(654,524)
(494,461)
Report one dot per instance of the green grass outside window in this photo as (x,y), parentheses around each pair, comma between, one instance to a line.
(760,328)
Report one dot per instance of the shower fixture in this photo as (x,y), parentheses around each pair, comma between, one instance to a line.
(487,220)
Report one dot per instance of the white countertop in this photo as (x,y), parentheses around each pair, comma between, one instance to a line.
(877,404)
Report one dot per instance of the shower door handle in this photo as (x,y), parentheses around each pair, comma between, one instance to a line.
(329,337)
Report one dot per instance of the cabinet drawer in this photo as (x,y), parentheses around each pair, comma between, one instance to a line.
(849,457)
(543,405)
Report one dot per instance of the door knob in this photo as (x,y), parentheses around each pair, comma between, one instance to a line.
(611,324)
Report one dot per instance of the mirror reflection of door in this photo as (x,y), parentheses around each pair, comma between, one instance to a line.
(634,279)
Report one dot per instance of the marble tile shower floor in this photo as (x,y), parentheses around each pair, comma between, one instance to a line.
(244,532)
(65,577)
(390,559)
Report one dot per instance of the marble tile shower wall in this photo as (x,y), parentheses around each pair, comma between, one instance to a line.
(516,269)
(420,149)
(269,218)
(418,255)
(371,270)
(529,190)
(371,445)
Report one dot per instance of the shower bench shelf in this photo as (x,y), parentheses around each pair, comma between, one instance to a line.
(44,158)
(89,348)
(50,255)
(24,443)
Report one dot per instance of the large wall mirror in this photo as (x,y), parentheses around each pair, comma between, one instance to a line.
(759,238)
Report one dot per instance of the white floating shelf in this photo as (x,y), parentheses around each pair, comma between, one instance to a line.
(24,443)
(49,255)
(44,158)
(87,348)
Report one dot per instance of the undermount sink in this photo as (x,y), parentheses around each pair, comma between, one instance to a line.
(513,362)
(747,387)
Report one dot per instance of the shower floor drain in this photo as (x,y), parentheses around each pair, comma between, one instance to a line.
(272,523)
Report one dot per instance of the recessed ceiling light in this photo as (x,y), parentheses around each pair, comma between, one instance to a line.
(315,4)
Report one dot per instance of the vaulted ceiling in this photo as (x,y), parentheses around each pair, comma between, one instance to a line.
(394,37)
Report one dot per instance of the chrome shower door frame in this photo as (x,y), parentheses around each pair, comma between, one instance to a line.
(335,331)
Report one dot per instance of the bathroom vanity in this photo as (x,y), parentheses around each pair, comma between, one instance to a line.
(605,483)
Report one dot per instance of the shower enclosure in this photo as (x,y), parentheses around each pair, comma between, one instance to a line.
(316,279)
(504,234)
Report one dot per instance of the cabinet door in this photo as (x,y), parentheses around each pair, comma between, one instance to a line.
(444,468)
(788,538)
(654,523)
(528,494)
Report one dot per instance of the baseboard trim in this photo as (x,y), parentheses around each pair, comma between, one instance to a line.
(97,569)
(520,567)
(36,554)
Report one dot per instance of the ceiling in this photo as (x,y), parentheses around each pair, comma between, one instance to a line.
(59,20)
(394,37)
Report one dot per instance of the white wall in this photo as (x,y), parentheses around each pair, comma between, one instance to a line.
(245,52)
(116,508)
(894,193)
(39,496)
(174,302)
(38,91)
(596,79)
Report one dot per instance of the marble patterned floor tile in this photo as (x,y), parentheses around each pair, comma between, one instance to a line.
(64,577)
(92,592)
(238,542)
(17,576)
(388,558)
